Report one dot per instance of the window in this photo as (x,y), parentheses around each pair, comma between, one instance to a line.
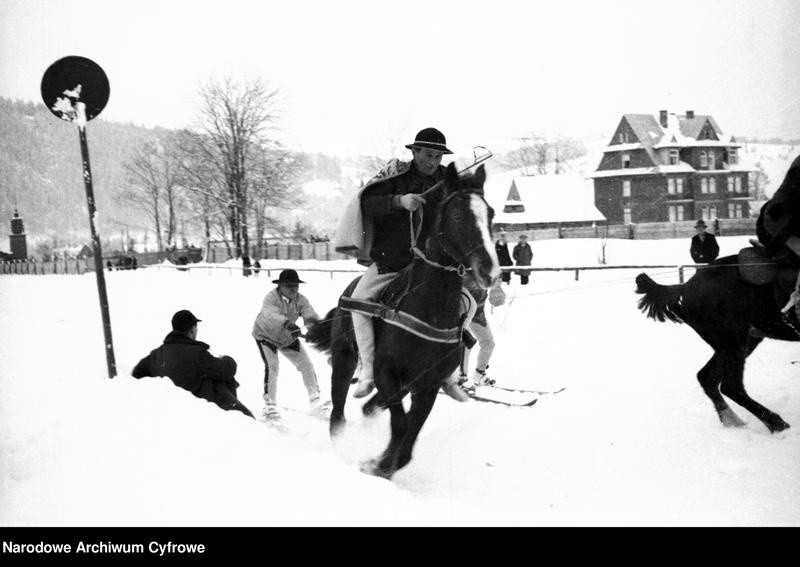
(730,184)
(679,185)
(703,159)
(738,184)
(712,185)
(735,210)
(670,185)
(711,160)
(733,156)
(626,215)
(626,160)
(704,185)
(626,188)
(675,213)
(673,157)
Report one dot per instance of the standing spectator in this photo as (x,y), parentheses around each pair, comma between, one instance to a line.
(501,247)
(523,256)
(190,366)
(256,267)
(704,246)
(275,330)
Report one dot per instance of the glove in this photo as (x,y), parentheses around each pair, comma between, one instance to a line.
(293,329)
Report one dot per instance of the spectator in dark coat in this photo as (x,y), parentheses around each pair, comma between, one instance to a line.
(190,366)
(503,257)
(523,256)
(704,247)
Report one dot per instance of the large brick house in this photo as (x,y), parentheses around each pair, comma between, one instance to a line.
(670,168)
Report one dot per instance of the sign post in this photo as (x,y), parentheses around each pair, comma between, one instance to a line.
(76,89)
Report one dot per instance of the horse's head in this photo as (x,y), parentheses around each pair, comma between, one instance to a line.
(464,224)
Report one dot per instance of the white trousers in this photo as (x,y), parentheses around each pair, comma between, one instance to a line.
(300,360)
(485,347)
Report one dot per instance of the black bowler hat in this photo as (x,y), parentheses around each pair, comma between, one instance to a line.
(701,222)
(288,277)
(431,139)
(183,320)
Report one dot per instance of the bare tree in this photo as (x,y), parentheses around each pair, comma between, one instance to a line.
(153,177)
(536,153)
(234,119)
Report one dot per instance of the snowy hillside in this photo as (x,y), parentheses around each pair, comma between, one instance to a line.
(631,441)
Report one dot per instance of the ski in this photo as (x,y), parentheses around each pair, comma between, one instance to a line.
(524,391)
(479,398)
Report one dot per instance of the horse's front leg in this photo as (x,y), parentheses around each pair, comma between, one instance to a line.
(421,406)
(386,465)
(710,378)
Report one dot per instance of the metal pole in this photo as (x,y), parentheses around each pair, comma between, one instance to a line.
(98,255)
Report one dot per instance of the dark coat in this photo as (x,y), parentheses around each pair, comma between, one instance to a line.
(391,244)
(190,366)
(502,253)
(779,218)
(704,251)
(523,254)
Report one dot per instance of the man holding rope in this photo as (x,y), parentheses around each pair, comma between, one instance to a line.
(386,206)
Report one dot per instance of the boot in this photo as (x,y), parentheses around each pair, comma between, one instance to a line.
(479,378)
(365,339)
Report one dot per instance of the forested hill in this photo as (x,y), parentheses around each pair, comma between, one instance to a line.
(40,170)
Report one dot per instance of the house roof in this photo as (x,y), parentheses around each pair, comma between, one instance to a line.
(551,199)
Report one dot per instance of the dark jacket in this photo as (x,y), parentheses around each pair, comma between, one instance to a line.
(502,253)
(523,254)
(779,218)
(189,365)
(391,244)
(704,251)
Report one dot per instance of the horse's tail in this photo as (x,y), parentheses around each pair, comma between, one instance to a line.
(319,334)
(660,302)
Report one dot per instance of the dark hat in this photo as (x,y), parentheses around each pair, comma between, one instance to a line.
(701,222)
(184,320)
(288,277)
(431,139)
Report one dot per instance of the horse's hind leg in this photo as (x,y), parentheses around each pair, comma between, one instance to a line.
(733,387)
(343,363)
(710,378)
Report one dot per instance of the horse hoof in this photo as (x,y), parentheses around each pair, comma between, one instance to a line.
(778,426)
(730,419)
(371,467)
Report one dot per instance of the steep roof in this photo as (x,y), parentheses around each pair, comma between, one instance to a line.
(551,199)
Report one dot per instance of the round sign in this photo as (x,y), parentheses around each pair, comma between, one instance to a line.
(75,89)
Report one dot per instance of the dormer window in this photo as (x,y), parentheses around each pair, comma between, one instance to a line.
(703,159)
(626,160)
(673,157)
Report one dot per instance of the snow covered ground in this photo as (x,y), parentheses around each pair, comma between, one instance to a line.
(631,441)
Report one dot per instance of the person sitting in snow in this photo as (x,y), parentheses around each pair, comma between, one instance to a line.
(275,330)
(378,229)
(187,362)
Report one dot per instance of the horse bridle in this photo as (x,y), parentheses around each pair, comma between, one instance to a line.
(460,268)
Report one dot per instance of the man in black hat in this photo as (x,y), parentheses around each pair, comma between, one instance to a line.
(704,246)
(385,204)
(275,330)
(187,362)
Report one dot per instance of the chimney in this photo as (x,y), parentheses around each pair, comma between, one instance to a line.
(662,118)
(689,114)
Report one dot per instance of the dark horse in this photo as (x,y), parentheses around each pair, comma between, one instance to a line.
(430,290)
(733,316)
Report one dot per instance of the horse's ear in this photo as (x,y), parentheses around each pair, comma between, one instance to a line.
(451,177)
(480,175)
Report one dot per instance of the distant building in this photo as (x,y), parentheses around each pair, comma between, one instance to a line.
(548,201)
(17,239)
(671,168)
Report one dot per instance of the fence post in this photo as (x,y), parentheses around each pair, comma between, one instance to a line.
(680,274)
(576,274)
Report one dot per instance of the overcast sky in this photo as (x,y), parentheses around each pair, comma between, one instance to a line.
(357,75)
